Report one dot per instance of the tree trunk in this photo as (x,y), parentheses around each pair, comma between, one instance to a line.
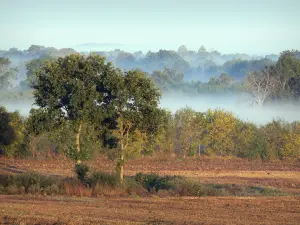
(121,163)
(32,146)
(122,169)
(78,140)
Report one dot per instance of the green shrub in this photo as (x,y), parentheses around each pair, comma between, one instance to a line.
(102,178)
(2,190)
(53,189)
(81,171)
(4,180)
(12,190)
(154,182)
(131,186)
(34,189)
(264,191)
(27,180)
(30,182)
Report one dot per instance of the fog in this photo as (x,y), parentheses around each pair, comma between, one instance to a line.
(237,104)
(18,105)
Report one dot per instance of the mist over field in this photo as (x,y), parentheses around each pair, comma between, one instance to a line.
(239,105)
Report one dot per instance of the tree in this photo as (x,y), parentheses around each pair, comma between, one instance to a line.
(226,79)
(11,132)
(137,114)
(74,88)
(239,68)
(125,60)
(162,59)
(262,84)
(7,74)
(288,70)
(167,78)
(294,87)
(189,129)
(35,48)
(33,66)
(39,121)
(182,50)
(218,132)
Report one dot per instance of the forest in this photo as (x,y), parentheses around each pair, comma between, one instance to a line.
(91,103)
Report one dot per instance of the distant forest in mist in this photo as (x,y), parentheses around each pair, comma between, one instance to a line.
(262,79)
(198,65)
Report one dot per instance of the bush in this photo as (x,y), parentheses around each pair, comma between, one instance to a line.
(4,180)
(81,171)
(2,190)
(27,180)
(153,182)
(34,189)
(30,182)
(264,191)
(102,178)
(132,187)
(53,189)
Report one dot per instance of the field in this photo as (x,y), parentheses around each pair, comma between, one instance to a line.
(158,209)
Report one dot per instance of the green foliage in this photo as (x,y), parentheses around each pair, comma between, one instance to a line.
(81,171)
(187,187)
(103,179)
(101,182)
(33,66)
(218,135)
(189,126)
(76,89)
(167,79)
(11,133)
(154,182)
(288,70)
(30,182)
(95,178)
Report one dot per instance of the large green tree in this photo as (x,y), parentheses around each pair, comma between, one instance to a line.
(75,88)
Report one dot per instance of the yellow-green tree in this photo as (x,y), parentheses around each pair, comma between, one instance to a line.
(220,128)
(136,113)
(189,126)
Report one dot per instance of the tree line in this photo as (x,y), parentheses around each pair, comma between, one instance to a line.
(87,105)
(198,65)
(263,79)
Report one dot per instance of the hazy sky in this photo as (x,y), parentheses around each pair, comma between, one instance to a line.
(250,26)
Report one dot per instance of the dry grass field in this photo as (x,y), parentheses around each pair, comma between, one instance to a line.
(207,210)
(283,175)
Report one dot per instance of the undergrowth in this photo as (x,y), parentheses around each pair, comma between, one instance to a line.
(97,183)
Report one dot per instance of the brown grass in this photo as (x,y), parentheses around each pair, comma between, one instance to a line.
(155,210)
(158,209)
(284,175)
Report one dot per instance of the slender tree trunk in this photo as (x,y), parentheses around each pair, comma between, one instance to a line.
(78,140)
(121,164)
(32,146)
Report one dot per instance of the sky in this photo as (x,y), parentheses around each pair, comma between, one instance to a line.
(229,26)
